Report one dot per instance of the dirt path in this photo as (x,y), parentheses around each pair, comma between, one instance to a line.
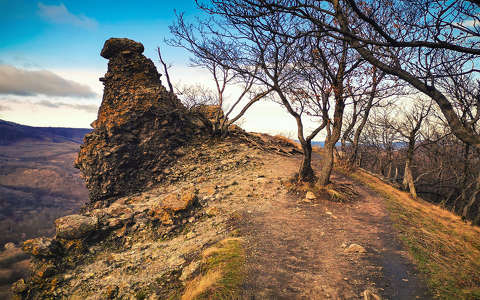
(296,250)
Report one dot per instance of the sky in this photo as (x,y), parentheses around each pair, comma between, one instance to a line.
(50,59)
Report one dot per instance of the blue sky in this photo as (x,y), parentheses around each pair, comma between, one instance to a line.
(55,34)
(50,58)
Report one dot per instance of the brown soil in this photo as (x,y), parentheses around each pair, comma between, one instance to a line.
(295,249)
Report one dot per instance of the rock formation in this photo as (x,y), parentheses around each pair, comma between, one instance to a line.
(139,126)
(139,243)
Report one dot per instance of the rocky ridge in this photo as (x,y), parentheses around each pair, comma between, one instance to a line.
(151,242)
(160,190)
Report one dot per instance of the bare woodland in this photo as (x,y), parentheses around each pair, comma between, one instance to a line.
(394,83)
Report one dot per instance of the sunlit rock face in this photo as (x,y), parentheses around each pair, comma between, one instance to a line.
(139,126)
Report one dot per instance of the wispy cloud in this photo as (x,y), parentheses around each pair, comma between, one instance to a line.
(16,81)
(89,108)
(59,14)
(4,107)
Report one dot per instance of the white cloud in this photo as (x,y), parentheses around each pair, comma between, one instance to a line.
(4,107)
(35,111)
(89,108)
(26,82)
(59,14)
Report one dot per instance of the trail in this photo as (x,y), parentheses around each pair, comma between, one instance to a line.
(296,249)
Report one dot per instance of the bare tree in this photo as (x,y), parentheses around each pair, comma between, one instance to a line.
(208,54)
(373,89)
(436,31)
(432,36)
(245,46)
(408,123)
(165,70)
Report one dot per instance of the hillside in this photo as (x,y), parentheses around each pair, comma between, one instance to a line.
(38,184)
(12,133)
(175,213)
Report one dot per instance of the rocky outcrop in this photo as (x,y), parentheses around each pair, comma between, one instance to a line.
(152,216)
(139,126)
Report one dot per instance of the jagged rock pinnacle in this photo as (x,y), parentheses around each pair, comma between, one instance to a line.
(138,128)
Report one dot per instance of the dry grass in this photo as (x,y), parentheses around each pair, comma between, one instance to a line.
(341,192)
(445,248)
(222,272)
(284,139)
(201,284)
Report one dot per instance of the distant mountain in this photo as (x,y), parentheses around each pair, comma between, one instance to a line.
(319,144)
(38,182)
(12,132)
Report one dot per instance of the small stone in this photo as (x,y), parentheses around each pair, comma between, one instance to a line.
(355,248)
(211,211)
(405,279)
(67,277)
(19,287)
(370,295)
(310,196)
(8,246)
(191,219)
(75,226)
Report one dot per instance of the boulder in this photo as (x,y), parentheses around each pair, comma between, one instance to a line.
(75,226)
(167,209)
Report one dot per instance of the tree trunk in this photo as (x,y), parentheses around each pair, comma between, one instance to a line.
(408,182)
(473,198)
(358,132)
(305,173)
(389,173)
(326,171)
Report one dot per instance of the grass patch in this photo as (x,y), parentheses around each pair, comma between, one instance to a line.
(445,248)
(221,274)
